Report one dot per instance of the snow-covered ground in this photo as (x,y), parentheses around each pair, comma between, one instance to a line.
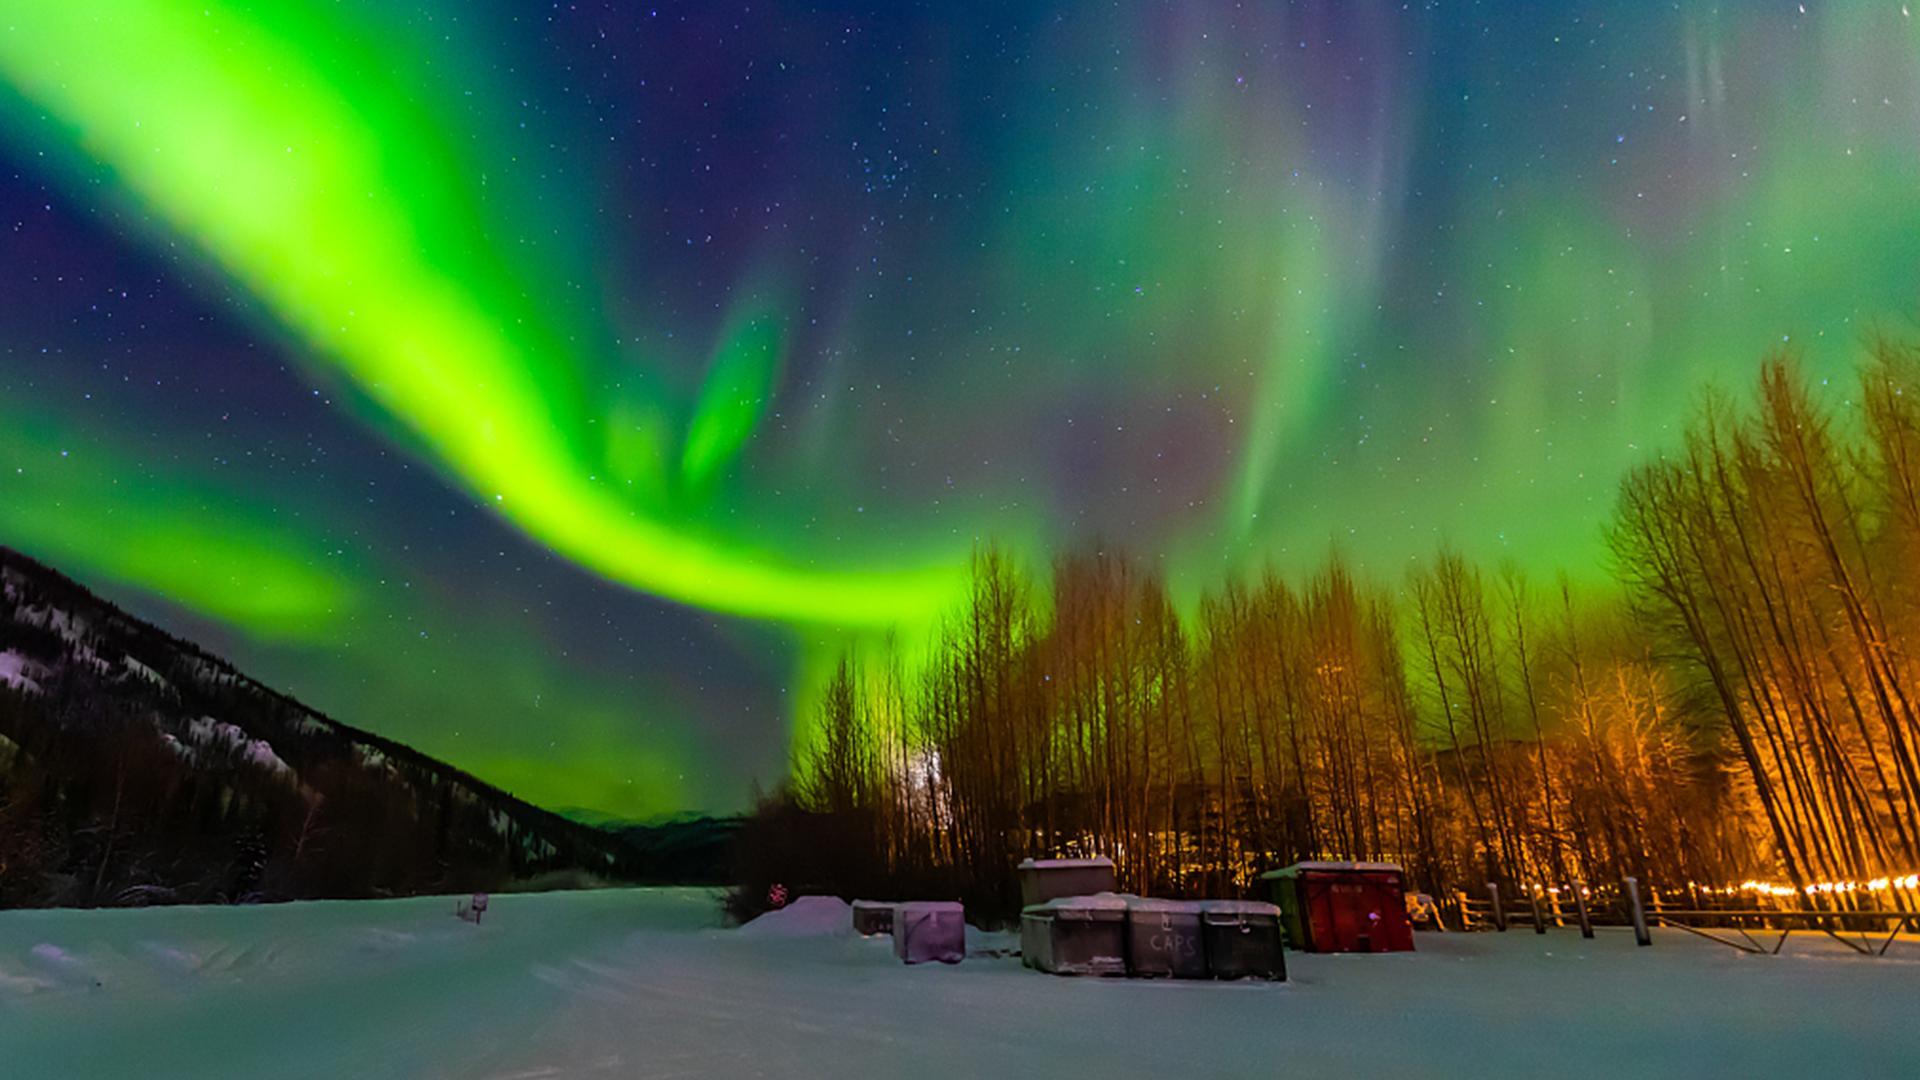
(642,983)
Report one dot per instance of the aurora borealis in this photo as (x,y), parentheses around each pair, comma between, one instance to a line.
(551,388)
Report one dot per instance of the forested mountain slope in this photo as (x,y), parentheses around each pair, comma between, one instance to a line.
(137,768)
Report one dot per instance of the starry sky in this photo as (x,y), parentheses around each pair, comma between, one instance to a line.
(557,387)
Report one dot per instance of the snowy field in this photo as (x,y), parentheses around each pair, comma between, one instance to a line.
(642,983)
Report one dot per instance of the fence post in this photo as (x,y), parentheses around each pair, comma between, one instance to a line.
(1640,935)
(1539,921)
(1466,911)
(1580,906)
(1499,910)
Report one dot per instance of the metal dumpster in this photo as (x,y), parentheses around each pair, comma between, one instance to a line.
(1243,940)
(872,918)
(1076,935)
(925,930)
(1164,939)
(1343,906)
(1042,880)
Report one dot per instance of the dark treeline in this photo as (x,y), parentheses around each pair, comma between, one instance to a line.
(137,769)
(1742,704)
(97,808)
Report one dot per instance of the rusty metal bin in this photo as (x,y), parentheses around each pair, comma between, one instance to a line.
(1243,940)
(1076,935)
(1042,880)
(873,918)
(930,930)
(1164,939)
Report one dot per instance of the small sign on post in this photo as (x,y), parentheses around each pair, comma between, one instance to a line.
(471,910)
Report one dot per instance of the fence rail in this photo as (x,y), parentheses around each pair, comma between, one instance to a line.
(1538,907)
(1837,925)
(1740,922)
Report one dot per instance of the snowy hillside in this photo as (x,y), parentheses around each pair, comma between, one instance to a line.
(136,768)
(640,983)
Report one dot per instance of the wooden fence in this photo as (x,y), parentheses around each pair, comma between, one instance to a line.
(1746,922)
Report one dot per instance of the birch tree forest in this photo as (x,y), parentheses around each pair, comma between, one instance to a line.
(1739,703)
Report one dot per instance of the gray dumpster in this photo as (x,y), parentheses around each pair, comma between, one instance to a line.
(925,930)
(1243,939)
(1164,939)
(872,918)
(1076,935)
(1042,880)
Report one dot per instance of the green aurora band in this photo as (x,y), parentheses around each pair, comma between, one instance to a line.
(1222,284)
(308,187)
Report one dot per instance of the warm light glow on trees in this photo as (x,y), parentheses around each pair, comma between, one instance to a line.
(1743,709)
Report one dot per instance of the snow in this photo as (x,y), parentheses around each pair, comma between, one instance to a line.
(13,671)
(1098,861)
(221,736)
(208,673)
(208,730)
(1106,901)
(1239,907)
(54,966)
(1366,867)
(644,983)
(259,753)
(72,628)
(807,916)
(1153,905)
(139,670)
(82,653)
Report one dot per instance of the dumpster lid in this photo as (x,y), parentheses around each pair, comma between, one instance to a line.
(875,905)
(1333,867)
(1155,903)
(1239,907)
(1100,861)
(1102,906)
(929,907)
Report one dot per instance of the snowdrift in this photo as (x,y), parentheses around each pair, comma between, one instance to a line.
(808,916)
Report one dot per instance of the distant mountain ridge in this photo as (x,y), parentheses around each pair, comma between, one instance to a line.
(685,849)
(135,767)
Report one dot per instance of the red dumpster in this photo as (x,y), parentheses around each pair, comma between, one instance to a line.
(1343,906)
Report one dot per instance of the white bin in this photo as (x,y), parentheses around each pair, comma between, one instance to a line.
(925,930)
(1042,880)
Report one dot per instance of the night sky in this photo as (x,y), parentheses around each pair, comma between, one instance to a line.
(556,387)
